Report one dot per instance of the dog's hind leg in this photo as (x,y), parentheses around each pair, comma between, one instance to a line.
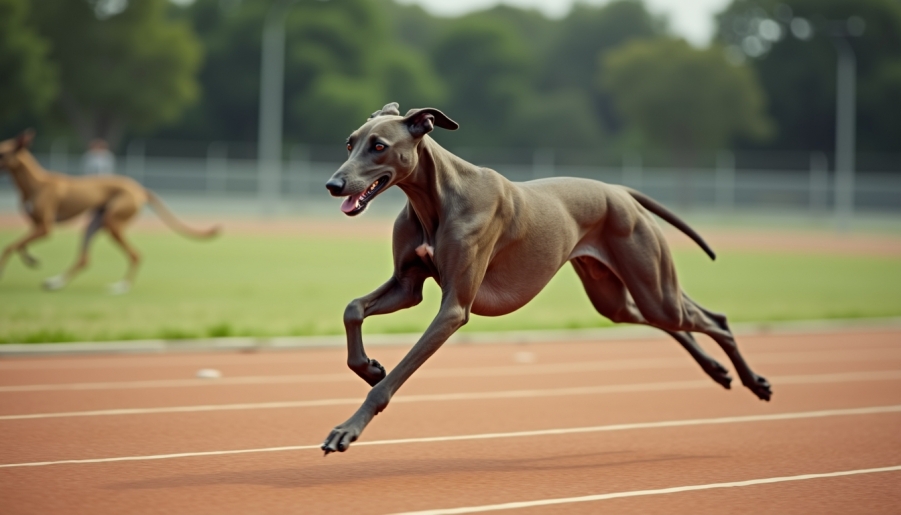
(610,298)
(59,281)
(647,270)
(118,213)
(715,326)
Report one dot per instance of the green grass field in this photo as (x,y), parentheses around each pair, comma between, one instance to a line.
(282,285)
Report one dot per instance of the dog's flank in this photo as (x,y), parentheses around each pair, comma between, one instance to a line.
(492,245)
(48,197)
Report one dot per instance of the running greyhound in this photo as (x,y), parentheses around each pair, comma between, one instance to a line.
(49,197)
(492,245)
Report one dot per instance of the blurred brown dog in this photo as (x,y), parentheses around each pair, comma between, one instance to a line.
(49,197)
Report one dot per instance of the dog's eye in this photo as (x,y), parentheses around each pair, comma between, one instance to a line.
(379,147)
(349,147)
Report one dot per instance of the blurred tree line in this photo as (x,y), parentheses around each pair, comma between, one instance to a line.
(610,76)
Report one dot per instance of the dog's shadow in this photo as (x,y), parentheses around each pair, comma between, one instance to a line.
(342,473)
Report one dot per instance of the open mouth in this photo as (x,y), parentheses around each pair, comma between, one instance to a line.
(356,204)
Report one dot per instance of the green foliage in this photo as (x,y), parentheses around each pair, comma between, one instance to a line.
(132,69)
(681,99)
(799,76)
(586,35)
(28,80)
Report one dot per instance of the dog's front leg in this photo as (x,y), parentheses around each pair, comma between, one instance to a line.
(450,317)
(396,294)
(37,232)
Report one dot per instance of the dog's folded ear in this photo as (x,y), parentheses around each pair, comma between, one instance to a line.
(24,140)
(422,121)
(389,109)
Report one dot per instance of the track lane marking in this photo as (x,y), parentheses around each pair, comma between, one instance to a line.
(640,493)
(492,371)
(873,410)
(467,396)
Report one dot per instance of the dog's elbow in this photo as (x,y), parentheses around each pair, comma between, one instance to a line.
(353,313)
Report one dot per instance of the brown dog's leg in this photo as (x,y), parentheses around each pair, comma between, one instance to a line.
(119,211)
(610,298)
(37,232)
(81,261)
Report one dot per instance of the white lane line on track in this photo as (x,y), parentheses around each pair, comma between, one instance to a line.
(641,493)
(492,371)
(468,396)
(875,410)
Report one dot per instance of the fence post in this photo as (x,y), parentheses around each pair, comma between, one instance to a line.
(543,163)
(725,181)
(216,168)
(632,170)
(59,155)
(844,195)
(134,160)
(300,164)
(269,179)
(819,182)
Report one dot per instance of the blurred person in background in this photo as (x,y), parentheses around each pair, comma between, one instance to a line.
(98,160)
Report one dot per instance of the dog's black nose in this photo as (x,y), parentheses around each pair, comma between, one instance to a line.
(335,186)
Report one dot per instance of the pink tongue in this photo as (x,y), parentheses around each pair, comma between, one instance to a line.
(350,203)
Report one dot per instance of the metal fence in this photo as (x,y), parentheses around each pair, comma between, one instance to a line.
(791,182)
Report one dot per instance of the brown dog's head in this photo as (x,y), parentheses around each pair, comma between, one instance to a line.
(9,149)
(382,153)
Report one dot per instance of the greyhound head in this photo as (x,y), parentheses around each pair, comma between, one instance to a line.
(382,153)
(9,149)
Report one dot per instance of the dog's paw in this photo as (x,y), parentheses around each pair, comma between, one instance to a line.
(54,283)
(760,387)
(719,374)
(372,372)
(119,288)
(341,437)
(30,261)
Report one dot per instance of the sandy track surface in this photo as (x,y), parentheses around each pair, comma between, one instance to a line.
(569,427)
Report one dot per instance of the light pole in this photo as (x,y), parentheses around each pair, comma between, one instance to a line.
(272,92)
(845,119)
(845,108)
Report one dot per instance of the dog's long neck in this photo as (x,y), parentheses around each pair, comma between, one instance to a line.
(436,178)
(28,174)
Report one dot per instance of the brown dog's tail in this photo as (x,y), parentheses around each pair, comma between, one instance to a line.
(664,213)
(174,223)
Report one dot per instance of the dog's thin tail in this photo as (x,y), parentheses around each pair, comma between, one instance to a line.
(664,213)
(174,223)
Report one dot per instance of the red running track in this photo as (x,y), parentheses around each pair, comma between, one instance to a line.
(569,427)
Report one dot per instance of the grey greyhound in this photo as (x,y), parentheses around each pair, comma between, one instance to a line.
(492,245)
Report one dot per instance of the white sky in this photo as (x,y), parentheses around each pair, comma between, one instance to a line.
(691,19)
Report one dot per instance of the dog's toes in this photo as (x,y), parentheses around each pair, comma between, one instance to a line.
(719,374)
(376,372)
(31,262)
(372,372)
(761,388)
(338,440)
